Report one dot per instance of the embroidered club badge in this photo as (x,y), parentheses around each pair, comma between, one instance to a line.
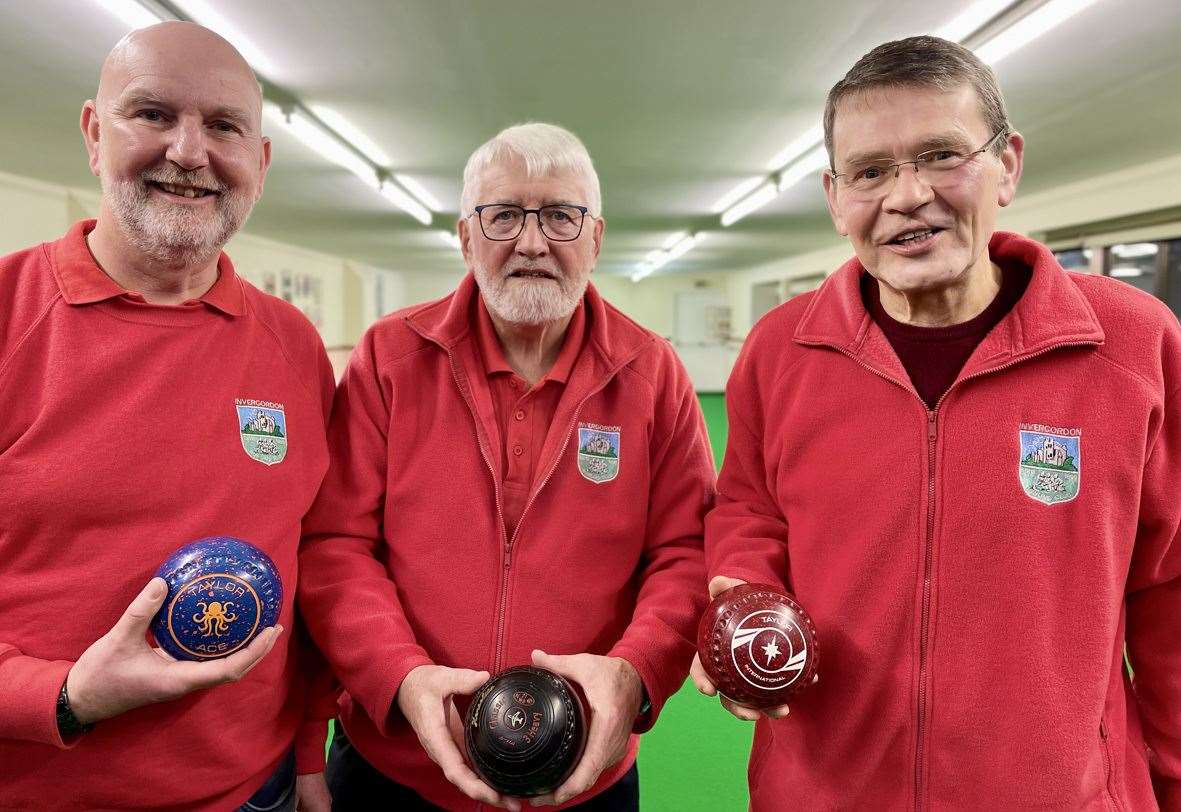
(1050,463)
(263,429)
(598,452)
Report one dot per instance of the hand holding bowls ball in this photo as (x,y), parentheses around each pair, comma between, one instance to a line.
(757,645)
(222,592)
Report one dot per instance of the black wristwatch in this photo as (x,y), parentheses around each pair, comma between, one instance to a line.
(67,723)
(645,703)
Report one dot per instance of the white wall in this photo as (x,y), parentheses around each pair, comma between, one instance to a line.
(34,212)
(652,302)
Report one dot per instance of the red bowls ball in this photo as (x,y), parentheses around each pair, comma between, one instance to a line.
(757,645)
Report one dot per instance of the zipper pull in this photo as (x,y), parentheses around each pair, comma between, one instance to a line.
(931,426)
(508,555)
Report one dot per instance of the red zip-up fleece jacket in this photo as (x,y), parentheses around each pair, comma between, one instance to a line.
(974,570)
(406,561)
(119,443)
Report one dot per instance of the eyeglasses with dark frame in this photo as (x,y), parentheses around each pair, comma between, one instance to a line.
(931,167)
(505,221)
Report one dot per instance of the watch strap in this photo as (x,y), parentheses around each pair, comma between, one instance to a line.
(68,724)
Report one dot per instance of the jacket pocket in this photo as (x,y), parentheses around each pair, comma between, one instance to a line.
(1108,766)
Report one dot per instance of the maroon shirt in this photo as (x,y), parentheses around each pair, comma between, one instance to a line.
(934,356)
(523,413)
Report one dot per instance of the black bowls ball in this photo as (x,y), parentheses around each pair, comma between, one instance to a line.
(525,731)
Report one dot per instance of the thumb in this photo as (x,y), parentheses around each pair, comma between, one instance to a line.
(558,663)
(720,583)
(139,613)
(464,680)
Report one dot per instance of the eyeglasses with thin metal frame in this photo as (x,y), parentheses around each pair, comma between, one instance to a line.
(930,166)
(505,221)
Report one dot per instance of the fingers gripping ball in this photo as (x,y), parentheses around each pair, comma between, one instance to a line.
(222,592)
(757,645)
(525,731)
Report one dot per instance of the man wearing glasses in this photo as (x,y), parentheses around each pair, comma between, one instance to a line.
(520,475)
(963,461)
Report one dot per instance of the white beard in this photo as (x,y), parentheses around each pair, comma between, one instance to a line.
(530,301)
(175,234)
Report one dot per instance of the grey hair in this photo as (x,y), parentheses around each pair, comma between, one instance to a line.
(543,148)
(926,61)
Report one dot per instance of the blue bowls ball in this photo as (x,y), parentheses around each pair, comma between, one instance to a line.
(222,592)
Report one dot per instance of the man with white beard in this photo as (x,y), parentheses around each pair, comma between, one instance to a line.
(130,352)
(519,476)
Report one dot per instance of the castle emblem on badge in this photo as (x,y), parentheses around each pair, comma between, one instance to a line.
(1050,462)
(263,428)
(598,452)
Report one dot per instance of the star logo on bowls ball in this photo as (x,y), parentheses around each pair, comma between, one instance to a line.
(769,649)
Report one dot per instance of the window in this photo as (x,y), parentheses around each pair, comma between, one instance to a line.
(1172,266)
(1074,259)
(1153,267)
(1134,263)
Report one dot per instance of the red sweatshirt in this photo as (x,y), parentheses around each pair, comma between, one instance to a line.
(974,570)
(119,442)
(407,561)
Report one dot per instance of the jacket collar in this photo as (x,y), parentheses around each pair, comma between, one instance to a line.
(1052,312)
(83,282)
(614,338)
(492,353)
(612,341)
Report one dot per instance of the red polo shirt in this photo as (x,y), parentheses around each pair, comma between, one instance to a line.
(523,413)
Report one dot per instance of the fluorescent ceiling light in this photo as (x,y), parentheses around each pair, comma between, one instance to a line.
(760,197)
(1029,28)
(801,144)
(1135,249)
(199,11)
(331,148)
(133,14)
(323,143)
(655,260)
(346,130)
(811,163)
(399,197)
(972,19)
(642,270)
(673,239)
(680,249)
(419,191)
(737,193)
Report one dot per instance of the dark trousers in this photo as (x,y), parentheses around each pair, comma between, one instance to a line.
(278,793)
(357,786)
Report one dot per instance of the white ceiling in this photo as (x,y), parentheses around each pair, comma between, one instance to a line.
(677,101)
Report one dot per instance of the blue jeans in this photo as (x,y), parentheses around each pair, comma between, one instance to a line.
(278,793)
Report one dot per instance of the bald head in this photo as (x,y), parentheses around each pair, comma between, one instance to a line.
(176,51)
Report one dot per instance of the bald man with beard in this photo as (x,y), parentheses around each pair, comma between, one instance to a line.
(128,350)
